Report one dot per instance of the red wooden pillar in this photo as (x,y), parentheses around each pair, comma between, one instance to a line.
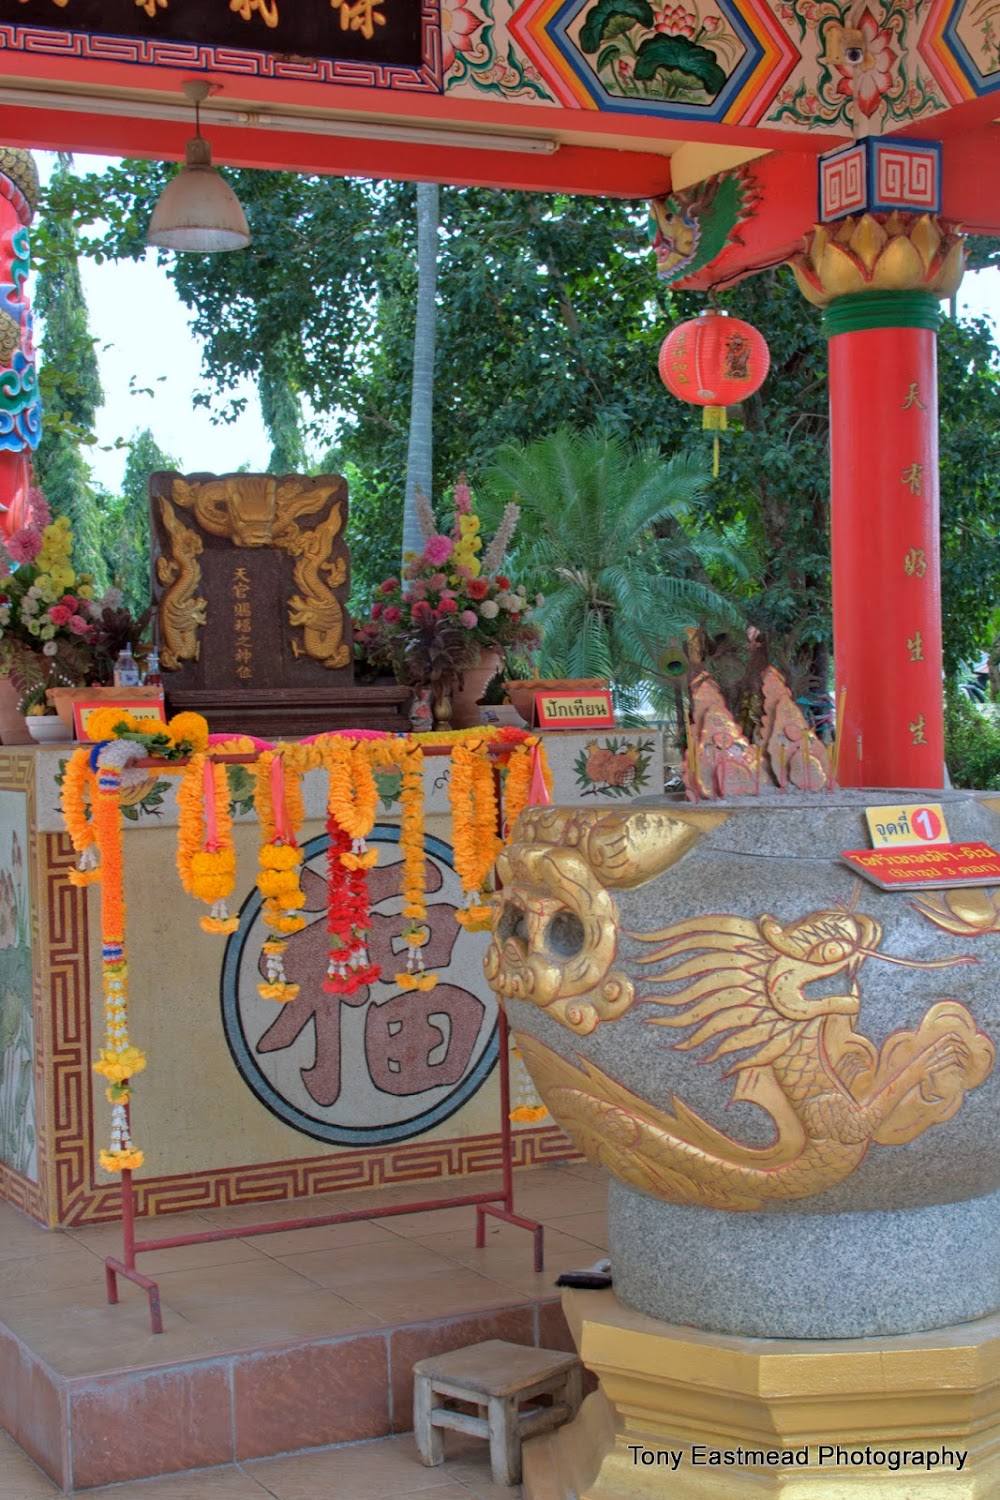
(884,537)
(20,408)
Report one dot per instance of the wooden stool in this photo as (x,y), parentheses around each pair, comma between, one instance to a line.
(495,1377)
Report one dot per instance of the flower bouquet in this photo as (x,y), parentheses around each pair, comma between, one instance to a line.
(451,606)
(53,631)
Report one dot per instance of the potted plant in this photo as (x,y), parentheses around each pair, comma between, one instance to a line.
(446,623)
(53,632)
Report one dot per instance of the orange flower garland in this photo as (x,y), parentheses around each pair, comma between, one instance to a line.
(517,781)
(119,1061)
(206,858)
(78,788)
(474,832)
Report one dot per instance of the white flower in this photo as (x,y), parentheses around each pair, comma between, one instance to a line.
(489,609)
(111,599)
(539,600)
(50,648)
(4,614)
(29,605)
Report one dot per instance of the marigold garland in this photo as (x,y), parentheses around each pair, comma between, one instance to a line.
(474,827)
(118,1061)
(206,858)
(77,791)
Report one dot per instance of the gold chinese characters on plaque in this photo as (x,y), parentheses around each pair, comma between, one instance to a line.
(250,579)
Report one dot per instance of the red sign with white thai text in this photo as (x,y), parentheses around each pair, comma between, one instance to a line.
(914,867)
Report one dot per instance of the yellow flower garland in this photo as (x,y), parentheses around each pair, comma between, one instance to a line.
(206,873)
(278,878)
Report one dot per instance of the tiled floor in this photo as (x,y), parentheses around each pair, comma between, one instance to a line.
(243,1315)
(385,1469)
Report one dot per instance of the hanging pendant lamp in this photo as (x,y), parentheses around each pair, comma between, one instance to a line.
(197,209)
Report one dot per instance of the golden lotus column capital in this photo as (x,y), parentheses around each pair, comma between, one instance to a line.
(880,253)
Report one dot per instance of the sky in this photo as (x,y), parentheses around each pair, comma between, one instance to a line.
(144,344)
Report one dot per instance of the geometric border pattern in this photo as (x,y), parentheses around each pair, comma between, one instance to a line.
(284,1181)
(957,73)
(198,58)
(878,175)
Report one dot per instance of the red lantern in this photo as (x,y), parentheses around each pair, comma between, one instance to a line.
(714,361)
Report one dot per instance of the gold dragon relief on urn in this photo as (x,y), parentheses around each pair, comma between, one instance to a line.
(774,1005)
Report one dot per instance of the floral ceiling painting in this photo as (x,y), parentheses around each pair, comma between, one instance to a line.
(862,67)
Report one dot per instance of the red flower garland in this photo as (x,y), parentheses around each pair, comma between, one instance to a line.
(348,918)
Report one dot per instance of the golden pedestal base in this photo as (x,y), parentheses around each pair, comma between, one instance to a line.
(696,1415)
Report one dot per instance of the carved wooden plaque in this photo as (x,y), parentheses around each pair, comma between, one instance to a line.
(250,581)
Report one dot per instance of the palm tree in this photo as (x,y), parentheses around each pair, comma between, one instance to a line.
(609,533)
(419,469)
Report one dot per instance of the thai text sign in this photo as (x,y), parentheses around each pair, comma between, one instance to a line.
(908,823)
(913,867)
(590,710)
(371,31)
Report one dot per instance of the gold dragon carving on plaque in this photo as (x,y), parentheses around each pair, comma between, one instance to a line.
(182,608)
(745,988)
(256,510)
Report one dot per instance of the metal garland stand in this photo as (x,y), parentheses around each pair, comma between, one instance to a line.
(498,1205)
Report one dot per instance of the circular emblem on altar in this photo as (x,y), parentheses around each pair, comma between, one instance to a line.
(380,1065)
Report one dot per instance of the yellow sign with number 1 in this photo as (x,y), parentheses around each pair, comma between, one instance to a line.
(910,823)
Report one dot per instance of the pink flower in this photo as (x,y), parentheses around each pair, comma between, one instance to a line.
(70,602)
(458,28)
(418,589)
(376,611)
(38,507)
(438,549)
(393,615)
(25,545)
(438,581)
(60,615)
(389,587)
(446,607)
(78,625)
(469,619)
(422,613)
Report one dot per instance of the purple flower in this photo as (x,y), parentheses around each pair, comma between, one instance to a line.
(438,550)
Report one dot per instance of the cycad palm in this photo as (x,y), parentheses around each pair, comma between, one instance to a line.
(609,534)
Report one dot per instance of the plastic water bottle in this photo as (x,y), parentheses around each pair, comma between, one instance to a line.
(126,669)
(152,676)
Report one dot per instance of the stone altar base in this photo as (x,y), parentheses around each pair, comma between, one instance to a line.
(670,1397)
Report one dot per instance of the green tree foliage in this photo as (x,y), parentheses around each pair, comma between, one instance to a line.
(971,743)
(69,381)
(126,522)
(611,531)
(548,311)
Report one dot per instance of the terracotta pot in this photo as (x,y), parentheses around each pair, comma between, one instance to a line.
(522,693)
(13,729)
(466,693)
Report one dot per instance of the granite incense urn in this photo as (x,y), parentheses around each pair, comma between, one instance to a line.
(788,1072)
